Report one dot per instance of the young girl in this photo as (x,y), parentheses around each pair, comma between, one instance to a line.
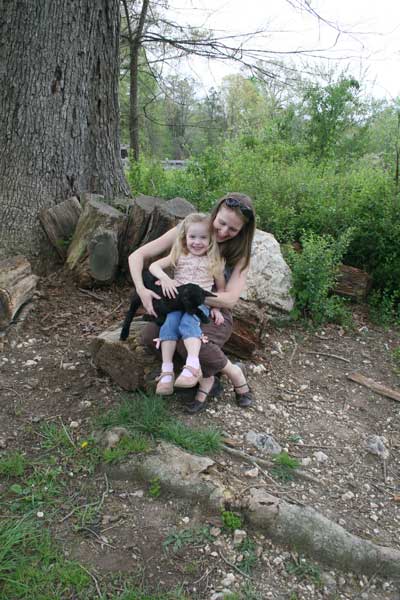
(233,225)
(196,259)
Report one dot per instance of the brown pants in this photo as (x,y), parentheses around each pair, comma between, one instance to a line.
(212,358)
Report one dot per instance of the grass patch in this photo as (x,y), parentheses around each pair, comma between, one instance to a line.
(142,414)
(305,571)
(179,539)
(12,465)
(127,445)
(248,549)
(285,466)
(23,547)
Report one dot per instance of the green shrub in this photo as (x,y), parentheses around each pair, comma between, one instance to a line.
(314,272)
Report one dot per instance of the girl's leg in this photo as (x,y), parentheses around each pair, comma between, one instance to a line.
(168,337)
(190,332)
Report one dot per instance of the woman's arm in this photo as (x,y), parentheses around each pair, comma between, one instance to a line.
(168,285)
(136,263)
(233,289)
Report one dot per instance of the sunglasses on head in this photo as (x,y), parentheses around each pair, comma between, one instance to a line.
(235,203)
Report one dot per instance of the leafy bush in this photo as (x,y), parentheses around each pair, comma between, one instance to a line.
(314,272)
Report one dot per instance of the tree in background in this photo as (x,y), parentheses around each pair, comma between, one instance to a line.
(59,122)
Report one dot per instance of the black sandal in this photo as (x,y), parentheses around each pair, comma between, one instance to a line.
(246,399)
(196,406)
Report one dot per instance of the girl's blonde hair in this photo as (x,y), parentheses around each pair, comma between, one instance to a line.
(216,262)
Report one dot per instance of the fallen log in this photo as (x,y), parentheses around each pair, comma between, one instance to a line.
(352,282)
(308,531)
(59,223)
(374,386)
(93,255)
(17,286)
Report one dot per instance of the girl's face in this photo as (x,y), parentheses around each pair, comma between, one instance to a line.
(198,238)
(227,224)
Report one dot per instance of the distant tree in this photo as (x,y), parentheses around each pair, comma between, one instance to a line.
(59,117)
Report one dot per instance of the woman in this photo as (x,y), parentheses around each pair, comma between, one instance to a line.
(233,223)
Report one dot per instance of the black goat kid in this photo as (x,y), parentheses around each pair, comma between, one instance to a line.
(190,297)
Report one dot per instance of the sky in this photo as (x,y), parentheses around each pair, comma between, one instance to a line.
(369,45)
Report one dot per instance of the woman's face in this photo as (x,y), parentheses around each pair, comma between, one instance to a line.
(227,224)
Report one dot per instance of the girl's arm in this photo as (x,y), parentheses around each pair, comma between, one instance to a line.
(168,285)
(136,263)
(233,289)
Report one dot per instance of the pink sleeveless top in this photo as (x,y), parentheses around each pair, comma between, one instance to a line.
(194,269)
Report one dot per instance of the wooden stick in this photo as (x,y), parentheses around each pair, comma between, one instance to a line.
(330,355)
(379,388)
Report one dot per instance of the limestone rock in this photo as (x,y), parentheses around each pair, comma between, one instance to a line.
(269,278)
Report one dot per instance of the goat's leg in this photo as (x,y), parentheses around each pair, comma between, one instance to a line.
(135,303)
(203,317)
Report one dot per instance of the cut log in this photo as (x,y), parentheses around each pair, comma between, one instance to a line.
(93,255)
(17,286)
(249,323)
(148,218)
(375,386)
(59,223)
(352,283)
(129,364)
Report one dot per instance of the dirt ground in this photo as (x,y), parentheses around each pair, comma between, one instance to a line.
(303,399)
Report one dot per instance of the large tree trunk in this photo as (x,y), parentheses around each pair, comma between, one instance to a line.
(59,118)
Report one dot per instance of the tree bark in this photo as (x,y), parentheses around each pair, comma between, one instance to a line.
(59,122)
(17,285)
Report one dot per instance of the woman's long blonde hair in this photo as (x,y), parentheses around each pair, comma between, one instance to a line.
(216,262)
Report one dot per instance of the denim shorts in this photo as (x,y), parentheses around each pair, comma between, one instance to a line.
(181,325)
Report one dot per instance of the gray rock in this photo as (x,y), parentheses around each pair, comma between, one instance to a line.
(376,445)
(264,442)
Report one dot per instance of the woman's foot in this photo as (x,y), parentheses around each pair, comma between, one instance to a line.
(199,403)
(243,395)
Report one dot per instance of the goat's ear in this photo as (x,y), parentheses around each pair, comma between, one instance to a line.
(210,295)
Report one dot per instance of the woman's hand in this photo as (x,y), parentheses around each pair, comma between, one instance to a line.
(147,297)
(168,286)
(217,316)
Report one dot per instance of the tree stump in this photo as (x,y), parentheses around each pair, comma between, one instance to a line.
(148,218)
(17,286)
(93,255)
(59,223)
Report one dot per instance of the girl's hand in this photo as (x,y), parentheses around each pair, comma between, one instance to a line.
(217,316)
(168,286)
(147,297)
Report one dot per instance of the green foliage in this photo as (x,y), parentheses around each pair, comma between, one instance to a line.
(12,465)
(248,550)
(305,571)
(155,487)
(396,359)
(179,539)
(149,415)
(384,307)
(23,547)
(284,466)
(231,520)
(314,271)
